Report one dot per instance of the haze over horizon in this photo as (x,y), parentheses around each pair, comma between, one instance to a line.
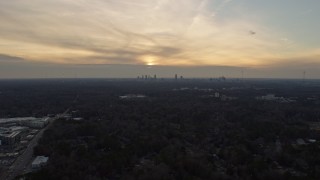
(127,38)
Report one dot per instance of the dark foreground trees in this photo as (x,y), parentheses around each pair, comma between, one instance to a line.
(187,134)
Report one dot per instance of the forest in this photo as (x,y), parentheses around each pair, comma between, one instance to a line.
(180,129)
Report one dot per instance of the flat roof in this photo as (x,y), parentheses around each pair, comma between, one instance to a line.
(8,120)
(40,159)
(11,134)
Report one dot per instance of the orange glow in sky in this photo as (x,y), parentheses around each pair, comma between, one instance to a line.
(161,32)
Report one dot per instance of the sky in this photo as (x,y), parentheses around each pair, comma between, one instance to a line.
(127,38)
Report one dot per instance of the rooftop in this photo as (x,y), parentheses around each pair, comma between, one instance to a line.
(8,120)
(40,160)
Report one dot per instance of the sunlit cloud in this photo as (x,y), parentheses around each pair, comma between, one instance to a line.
(142,32)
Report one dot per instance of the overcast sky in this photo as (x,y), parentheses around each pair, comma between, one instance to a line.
(125,38)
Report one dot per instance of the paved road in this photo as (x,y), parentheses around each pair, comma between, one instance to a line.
(26,158)
(23,161)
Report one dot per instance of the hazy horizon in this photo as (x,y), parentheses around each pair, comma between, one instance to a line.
(38,70)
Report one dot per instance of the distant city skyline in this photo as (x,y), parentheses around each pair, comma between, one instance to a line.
(127,38)
(37,70)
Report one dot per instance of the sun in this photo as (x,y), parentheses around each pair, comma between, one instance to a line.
(149,60)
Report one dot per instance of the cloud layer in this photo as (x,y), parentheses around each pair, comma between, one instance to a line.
(141,32)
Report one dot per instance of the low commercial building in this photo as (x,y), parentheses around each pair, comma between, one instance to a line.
(17,120)
(10,138)
(39,123)
(78,119)
(24,143)
(132,96)
(39,162)
(29,137)
(34,131)
(65,117)
(19,128)
(269,97)
(31,122)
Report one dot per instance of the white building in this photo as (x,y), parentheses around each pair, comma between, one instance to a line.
(29,137)
(269,97)
(19,128)
(39,123)
(17,120)
(31,122)
(39,162)
(132,96)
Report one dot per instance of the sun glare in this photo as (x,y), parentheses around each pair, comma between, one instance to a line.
(149,60)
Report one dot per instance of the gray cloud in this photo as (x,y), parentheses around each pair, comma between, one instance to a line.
(182,29)
(167,51)
(120,56)
(4,57)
